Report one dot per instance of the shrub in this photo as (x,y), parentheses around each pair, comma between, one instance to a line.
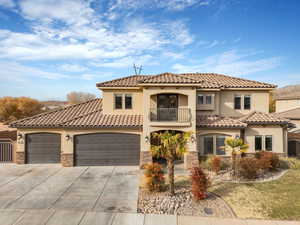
(293,163)
(215,164)
(268,160)
(154,177)
(200,183)
(205,162)
(249,168)
(284,164)
(225,164)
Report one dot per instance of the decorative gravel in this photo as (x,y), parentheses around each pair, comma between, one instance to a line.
(182,204)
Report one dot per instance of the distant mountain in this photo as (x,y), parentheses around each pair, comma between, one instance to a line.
(290,91)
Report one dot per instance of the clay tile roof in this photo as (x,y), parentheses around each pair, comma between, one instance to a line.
(294,135)
(213,121)
(204,80)
(263,118)
(87,114)
(131,81)
(290,114)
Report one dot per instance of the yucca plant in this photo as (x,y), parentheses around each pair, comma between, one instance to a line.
(171,145)
(237,147)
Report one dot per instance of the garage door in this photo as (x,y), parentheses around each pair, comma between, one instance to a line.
(107,149)
(43,148)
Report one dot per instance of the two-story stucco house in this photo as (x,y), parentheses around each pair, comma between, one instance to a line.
(116,130)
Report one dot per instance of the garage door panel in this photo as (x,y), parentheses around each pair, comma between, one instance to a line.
(107,149)
(43,148)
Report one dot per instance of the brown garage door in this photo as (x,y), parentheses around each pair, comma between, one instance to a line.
(43,148)
(107,149)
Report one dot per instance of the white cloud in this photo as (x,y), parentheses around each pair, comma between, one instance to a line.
(88,76)
(231,62)
(7,3)
(213,44)
(19,72)
(173,55)
(73,68)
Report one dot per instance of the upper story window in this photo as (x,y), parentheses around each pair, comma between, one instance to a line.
(242,102)
(118,101)
(128,101)
(205,99)
(247,102)
(237,102)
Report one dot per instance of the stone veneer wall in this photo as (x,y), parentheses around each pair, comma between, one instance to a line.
(20,157)
(191,159)
(67,160)
(145,158)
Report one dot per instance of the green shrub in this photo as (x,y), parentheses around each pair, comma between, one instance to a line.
(200,183)
(293,163)
(205,162)
(284,164)
(154,177)
(249,167)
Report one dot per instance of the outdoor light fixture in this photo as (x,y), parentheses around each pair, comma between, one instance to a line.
(68,137)
(20,136)
(146,139)
(193,139)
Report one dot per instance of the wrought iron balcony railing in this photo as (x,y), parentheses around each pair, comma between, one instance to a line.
(180,115)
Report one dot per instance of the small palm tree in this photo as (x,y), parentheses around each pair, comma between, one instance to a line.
(171,145)
(237,147)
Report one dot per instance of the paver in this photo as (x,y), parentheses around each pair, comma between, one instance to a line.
(33,202)
(116,205)
(34,217)
(160,219)
(128,219)
(191,220)
(8,217)
(66,217)
(76,202)
(97,218)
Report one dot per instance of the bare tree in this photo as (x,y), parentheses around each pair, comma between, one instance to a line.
(78,97)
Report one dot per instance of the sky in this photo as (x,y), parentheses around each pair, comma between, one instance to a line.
(49,48)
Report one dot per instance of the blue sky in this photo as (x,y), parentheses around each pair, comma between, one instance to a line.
(51,47)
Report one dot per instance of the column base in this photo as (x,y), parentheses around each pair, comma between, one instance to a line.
(67,160)
(191,160)
(20,157)
(145,158)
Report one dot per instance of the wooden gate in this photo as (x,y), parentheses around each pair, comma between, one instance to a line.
(6,151)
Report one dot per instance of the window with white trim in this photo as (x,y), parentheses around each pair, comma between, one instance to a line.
(263,142)
(242,102)
(213,144)
(118,101)
(205,99)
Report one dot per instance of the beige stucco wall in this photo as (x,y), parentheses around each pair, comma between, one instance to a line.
(259,102)
(108,101)
(188,100)
(278,133)
(284,105)
(68,146)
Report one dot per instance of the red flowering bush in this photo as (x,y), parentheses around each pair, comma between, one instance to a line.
(215,164)
(154,177)
(200,183)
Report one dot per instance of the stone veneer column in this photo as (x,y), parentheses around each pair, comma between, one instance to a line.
(191,159)
(20,157)
(145,158)
(67,159)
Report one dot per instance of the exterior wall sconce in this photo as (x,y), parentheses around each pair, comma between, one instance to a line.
(193,139)
(68,137)
(146,139)
(20,136)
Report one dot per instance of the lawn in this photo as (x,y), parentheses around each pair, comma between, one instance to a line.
(278,199)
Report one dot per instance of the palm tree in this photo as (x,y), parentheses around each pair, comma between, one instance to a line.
(237,147)
(171,145)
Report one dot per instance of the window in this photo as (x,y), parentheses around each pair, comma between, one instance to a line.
(247,102)
(208,145)
(220,142)
(237,102)
(118,101)
(258,143)
(200,99)
(269,143)
(128,101)
(208,99)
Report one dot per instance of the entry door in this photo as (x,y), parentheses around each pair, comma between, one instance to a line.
(167,107)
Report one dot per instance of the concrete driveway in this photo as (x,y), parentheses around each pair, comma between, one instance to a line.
(103,189)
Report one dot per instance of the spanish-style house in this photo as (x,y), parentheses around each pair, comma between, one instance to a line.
(116,129)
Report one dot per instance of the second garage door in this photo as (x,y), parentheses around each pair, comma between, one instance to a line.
(107,149)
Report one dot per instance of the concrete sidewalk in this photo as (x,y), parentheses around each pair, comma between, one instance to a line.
(71,217)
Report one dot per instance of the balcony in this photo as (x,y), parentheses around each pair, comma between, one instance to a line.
(170,115)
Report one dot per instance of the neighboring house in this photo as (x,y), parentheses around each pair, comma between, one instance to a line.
(53,105)
(285,103)
(294,133)
(8,138)
(116,130)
